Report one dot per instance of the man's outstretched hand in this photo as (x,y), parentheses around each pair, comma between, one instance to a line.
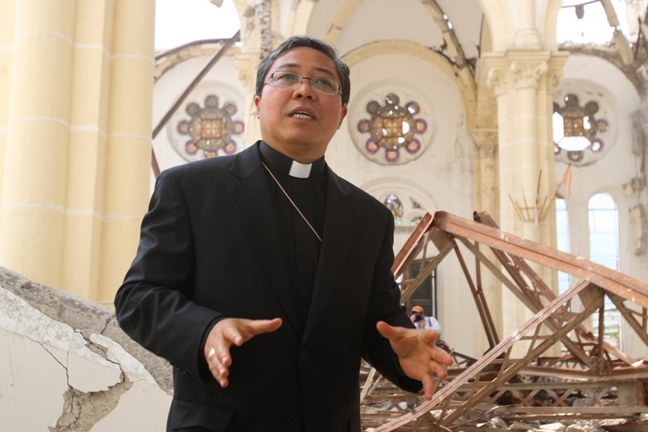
(228,332)
(418,354)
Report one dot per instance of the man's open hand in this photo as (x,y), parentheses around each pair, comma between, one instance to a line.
(418,354)
(228,332)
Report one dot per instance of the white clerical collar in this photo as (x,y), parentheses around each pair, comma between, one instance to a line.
(287,166)
(300,170)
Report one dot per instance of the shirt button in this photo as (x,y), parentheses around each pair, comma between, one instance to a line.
(291,419)
(305,355)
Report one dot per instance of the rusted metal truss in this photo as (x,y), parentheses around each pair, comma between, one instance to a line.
(516,378)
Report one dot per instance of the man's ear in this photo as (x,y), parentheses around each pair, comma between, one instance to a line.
(343,114)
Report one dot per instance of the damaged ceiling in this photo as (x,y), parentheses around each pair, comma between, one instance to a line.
(448,27)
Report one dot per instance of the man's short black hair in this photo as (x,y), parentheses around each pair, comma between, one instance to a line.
(308,42)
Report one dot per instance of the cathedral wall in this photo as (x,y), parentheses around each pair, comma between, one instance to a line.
(593,79)
(440,178)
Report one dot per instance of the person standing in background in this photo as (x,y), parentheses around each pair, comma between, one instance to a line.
(422,321)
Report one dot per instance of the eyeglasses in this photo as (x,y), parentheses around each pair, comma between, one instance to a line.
(293,80)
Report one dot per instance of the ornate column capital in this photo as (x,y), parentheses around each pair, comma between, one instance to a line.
(518,69)
(493,72)
(525,73)
(556,64)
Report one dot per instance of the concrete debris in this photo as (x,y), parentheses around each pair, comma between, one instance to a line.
(553,427)
(498,423)
(517,426)
(565,426)
(81,411)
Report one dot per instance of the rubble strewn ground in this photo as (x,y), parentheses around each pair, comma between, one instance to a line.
(604,425)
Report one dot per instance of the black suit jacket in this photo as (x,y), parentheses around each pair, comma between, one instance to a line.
(210,248)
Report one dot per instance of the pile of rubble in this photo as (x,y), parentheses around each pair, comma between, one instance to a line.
(606,425)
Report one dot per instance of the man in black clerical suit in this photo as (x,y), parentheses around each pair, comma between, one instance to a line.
(264,278)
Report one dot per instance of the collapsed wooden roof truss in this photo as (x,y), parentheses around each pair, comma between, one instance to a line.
(592,380)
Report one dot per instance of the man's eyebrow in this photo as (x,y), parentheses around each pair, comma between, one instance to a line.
(297,66)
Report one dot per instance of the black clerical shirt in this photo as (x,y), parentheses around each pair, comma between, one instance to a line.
(309,195)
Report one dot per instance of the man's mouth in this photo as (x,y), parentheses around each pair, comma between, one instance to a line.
(302,115)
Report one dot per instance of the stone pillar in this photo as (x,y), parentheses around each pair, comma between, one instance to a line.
(247,64)
(76,82)
(524,81)
(256,41)
(526,36)
(87,143)
(487,199)
(35,166)
(6,54)
(128,146)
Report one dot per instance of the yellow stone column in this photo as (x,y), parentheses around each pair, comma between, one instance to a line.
(90,76)
(76,81)
(6,54)
(35,166)
(524,81)
(127,161)
(96,53)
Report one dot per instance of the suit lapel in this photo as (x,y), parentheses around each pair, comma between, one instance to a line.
(339,228)
(252,197)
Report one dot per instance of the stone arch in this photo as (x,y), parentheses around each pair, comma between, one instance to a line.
(303,16)
(549,23)
(500,22)
(302,20)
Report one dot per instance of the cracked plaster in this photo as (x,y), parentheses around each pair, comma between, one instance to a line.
(32,384)
(86,370)
(66,366)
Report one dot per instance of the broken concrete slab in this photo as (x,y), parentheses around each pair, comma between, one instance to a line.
(66,366)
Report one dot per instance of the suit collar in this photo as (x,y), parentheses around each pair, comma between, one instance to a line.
(246,162)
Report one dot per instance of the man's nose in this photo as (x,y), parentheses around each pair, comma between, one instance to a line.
(305,89)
